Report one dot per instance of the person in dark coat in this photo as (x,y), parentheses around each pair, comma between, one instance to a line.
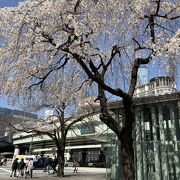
(54,164)
(48,164)
(20,168)
(14,167)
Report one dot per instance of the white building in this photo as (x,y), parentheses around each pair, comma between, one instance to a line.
(156,86)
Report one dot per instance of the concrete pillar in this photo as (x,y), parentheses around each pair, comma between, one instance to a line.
(68,155)
(142,124)
(138,146)
(178,151)
(174,137)
(16,151)
(164,164)
(155,144)
(178,117)
(173,129)
(141,165)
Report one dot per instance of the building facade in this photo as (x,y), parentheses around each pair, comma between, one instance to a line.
(85,142)
(10,116)
(156,139)
(156,86)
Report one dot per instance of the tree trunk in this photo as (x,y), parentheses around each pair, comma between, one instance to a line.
(124,134)
(60,170)
(127,157)
(127,141)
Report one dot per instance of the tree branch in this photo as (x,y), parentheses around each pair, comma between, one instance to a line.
(115,50)
(117,92)
(47,74)
(134,72)
(78,120)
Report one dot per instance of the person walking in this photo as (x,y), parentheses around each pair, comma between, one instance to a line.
(14,167)
(54,164)
(76,165)
(48,164)
(20,168)
(2,161)
(5,161)
(29,168)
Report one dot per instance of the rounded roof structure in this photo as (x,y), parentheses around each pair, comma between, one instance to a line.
(161,77)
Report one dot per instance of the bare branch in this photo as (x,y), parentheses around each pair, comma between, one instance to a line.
(115,50)
(85,81)
(117,92)
(47,74)
(77,5)
(78,120)
(134,71)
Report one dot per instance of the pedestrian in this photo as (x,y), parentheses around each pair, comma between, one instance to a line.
(14,167)
(5,161)
(48,164)
(29,168)
(20,168)
(2,161)
(54,164)
(76,165)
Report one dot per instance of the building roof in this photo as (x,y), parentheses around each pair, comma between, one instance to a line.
(161,77)
(148,100)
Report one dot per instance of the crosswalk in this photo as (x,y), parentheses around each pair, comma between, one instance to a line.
(5,170)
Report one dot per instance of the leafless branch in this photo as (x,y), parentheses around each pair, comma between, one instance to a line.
(78,120)
(85,81)
(41,82)
(134,71)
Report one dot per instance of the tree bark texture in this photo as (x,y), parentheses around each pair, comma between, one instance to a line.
(124,133)
(127,141)
(127,159)
(61,161)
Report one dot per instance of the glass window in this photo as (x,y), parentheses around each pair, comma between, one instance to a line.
(87,129)
(147,126)
(157,83)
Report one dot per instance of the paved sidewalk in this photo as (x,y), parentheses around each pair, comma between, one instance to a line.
(83,174)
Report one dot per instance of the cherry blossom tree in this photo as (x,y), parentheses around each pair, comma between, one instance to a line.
(60,93)
(108,40)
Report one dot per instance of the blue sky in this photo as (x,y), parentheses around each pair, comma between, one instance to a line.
(8,3)
(4,103)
